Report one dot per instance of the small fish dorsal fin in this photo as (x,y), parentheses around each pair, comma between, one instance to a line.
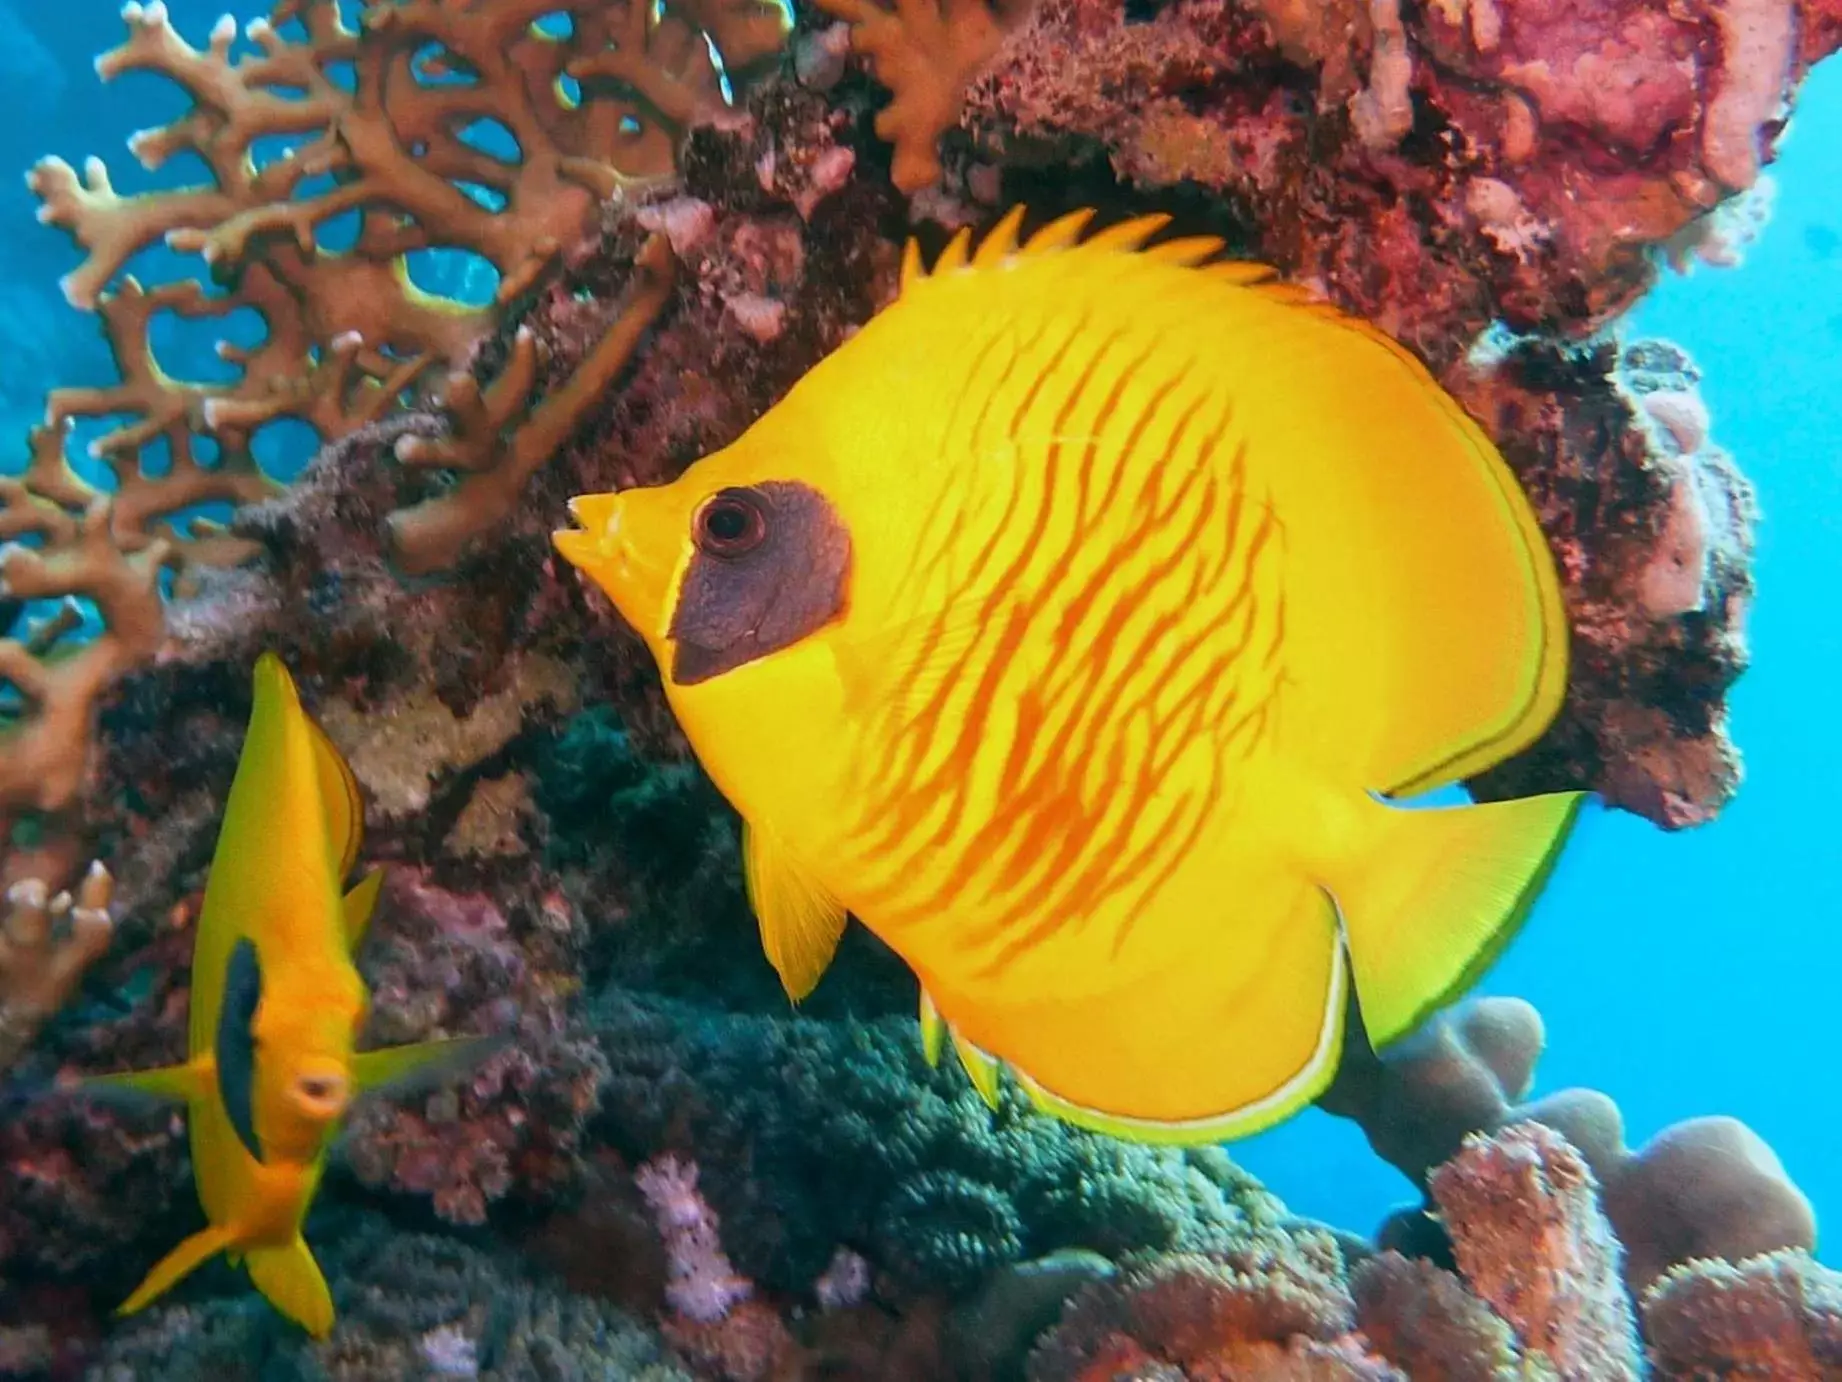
(359,903)
(342,806)
(800,921)
(345,809)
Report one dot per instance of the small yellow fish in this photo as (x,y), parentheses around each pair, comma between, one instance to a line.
(1068,626)
(276,1006)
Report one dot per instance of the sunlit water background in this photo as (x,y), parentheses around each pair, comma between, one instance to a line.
(1683,973)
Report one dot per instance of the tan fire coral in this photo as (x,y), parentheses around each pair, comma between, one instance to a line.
(925,52)
(56,677)
(46,943)
(381,124)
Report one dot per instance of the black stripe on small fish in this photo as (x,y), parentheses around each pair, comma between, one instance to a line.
(236,1042)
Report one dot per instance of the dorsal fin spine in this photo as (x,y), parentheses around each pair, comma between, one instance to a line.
(1002,244)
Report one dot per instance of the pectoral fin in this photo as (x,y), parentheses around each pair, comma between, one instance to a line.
(422,1064)
(168,1084)
(292,1281)
(800,920)
(178,1264)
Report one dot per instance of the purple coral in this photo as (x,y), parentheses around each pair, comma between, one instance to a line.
(702,1285)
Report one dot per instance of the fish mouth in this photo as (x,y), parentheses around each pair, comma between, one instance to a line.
(596,536)
(628,559)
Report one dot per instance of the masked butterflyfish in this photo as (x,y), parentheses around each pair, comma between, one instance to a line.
(276,1008)
(1072,626)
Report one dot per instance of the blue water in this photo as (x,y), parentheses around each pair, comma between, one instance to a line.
(1697,972)
(1684,974)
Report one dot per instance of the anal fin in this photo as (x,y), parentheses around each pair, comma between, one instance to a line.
(293,1283)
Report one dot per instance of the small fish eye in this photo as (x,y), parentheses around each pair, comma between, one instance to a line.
(731,523)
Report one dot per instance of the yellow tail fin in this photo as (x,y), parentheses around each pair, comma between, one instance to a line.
(178,1264)
(291,1279)
(1436,897)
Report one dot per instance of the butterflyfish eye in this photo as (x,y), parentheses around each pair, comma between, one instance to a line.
(731,523)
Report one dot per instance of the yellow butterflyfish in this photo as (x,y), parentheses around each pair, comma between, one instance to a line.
(276,1008)
(1070,626)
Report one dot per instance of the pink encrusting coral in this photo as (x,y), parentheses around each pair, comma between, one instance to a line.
(445,963)
(1567,139)
(702,1284)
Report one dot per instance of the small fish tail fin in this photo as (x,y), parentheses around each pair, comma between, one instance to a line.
(1437,895)
(294,1285)
(178,1264)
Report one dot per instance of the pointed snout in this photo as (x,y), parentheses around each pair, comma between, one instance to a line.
(630,543)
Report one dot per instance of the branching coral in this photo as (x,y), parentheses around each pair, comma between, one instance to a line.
(46,944)
(57,677)
(925,52)
(385,126)
(494,457)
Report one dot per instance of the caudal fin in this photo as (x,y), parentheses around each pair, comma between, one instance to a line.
(291,1279)
(178,1264)
(1437,895)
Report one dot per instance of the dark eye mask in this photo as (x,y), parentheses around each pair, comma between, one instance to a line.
(794,580)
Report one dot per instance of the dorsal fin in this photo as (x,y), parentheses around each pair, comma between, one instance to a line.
(345,808)
(1002,244)
(1126,236)
(1062,235)
(957,254)
(1186,252)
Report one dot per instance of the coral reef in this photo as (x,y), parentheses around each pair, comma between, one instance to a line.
(1776,1315)
(1704,1188)
(409,1305)
(812,1133)
(1537,1293)
(1434,167)
(721,1188)
(1652,525)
